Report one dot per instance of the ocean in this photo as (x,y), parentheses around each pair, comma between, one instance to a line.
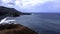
(43,23)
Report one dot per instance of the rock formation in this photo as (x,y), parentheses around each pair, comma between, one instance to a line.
(10,12)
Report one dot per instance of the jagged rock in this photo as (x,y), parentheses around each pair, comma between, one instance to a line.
(15,29)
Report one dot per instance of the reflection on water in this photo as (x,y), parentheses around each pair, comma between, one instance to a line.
(47,23)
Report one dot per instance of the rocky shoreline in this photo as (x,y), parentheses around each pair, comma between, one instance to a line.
(15,29)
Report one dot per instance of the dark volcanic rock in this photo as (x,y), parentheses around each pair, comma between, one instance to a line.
(15,29)
(10,12)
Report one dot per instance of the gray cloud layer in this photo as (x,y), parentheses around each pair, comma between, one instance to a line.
(49,6)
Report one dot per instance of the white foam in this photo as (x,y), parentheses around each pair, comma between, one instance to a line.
(7,21)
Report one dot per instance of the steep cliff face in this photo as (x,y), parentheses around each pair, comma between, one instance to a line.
(10,12)
(15,29)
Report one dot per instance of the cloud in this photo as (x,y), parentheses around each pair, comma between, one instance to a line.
(40,6)
(29,3)
(53,6)
(34,5)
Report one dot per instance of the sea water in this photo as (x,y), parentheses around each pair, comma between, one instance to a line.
(43,23)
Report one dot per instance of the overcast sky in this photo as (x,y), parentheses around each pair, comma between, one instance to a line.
(33,5)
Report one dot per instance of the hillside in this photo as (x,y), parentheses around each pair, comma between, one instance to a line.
(15,29)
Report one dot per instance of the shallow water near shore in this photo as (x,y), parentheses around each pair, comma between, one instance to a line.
(44,23)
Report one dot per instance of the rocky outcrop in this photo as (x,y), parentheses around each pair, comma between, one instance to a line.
(15,29)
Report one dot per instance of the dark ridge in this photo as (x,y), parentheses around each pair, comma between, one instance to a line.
(15,29)
(11,12)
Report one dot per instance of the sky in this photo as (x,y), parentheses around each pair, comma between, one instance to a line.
(34,6)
